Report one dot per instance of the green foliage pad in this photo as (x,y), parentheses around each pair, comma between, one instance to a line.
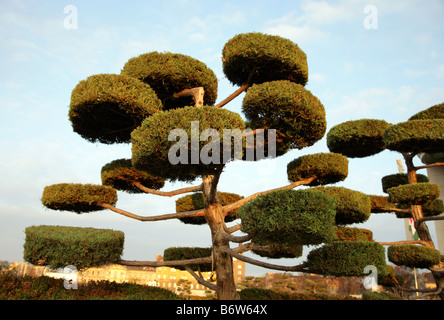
(169,73)
(326,167)
(272,57)
(187,253)
(414,194)
(120,174)
(58,246)
(294,112)
(357,139)
(413,256)
(78,198)
(107,107)
(291,217)
(347,258)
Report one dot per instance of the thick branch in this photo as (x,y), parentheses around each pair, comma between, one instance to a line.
(200,280)
(240,203)
(265,264)
(437,164)
(421,220)
(186,214)
(238,91)
(424,243)
(156,264)
(237,239)
(167,193)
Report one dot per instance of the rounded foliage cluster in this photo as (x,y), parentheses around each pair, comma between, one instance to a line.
(416,136)
(291,217)
(58,246)
(434,112)
(381,204)
(294,112)
(394,180)
(357,139)
(107,107)
(77,197)
(196,201)
(326,167)
(277,250)
(414,194)
(120,175)
(353,234)
(271,57)
(413,256)
(351,206)
(347,258)
(155,143)
(169,73)
(188,253)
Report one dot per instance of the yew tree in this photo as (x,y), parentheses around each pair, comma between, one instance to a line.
(408,195)
(164,106)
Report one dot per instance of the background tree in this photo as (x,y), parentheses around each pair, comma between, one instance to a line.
(410,195)
(155,104)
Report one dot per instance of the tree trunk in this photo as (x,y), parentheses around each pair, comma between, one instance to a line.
(223,262)
(423,230)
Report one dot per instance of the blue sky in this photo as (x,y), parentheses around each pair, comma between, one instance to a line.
(389,72)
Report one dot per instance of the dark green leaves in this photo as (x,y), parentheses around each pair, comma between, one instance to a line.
(78,198)
(413,256)
(169,73)
(272,57)
(107,107)
(58,246)
(357,139)
(294,112)
(290,217)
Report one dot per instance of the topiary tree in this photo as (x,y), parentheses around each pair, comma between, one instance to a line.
(163,104)
(409,195)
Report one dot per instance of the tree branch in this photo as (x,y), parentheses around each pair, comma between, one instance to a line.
(238,91)
(437,164)
(167,193)
(421,220)
(237,239)
(424,243)
(230,207)
(264,264)
(201,280)
(173,263)
(186,214)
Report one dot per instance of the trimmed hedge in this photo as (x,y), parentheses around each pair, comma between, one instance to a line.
(278,251)
(274,57)
(351,206)
(413,256)
(353,234)
(347,258)
(394,180)
(414,194)
(120,174)
(196,201)
(169,73)
(416,136)
(357,139)
(151,145)
(58,246)
(14,287)
(187,253)
(326,167)
(107,107)
(290,217)
(434,112)
(294,112)
(77,198)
